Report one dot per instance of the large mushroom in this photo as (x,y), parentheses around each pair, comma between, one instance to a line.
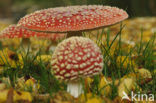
(14,31)
(72,20)
(75,58)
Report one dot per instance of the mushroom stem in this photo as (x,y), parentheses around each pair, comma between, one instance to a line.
(25,43)
(75,88)
(74,33)
(52,46)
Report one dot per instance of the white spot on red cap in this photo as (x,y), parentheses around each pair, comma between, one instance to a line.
(75,67)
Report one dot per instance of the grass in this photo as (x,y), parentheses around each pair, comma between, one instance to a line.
(112,69)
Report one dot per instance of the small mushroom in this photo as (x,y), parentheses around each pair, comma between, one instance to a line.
(73,20)
(14,31)
(76,58)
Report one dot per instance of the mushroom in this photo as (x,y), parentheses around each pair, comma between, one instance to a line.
(17,32)
(76,58)
(72,20)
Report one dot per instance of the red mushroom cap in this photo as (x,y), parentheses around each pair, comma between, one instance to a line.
(73,18)
(76,57)
(17,32)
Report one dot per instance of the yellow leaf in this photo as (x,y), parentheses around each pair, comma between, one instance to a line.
(104,87)
(144,73)
(17,95)
(44,58)
(3,96)
(21,95)
(126,85)
(125,62)
(94,100)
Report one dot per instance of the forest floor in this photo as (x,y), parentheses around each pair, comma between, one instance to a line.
(129,54)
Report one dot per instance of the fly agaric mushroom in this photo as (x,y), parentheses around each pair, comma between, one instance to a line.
(75,58)
(73,19)
(17,32)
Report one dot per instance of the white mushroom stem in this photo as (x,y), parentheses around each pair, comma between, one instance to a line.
(25,44)
(25,41)
(75,88)
(52,46)
(74,33)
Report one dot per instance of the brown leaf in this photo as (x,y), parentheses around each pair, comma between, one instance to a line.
(10,96)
